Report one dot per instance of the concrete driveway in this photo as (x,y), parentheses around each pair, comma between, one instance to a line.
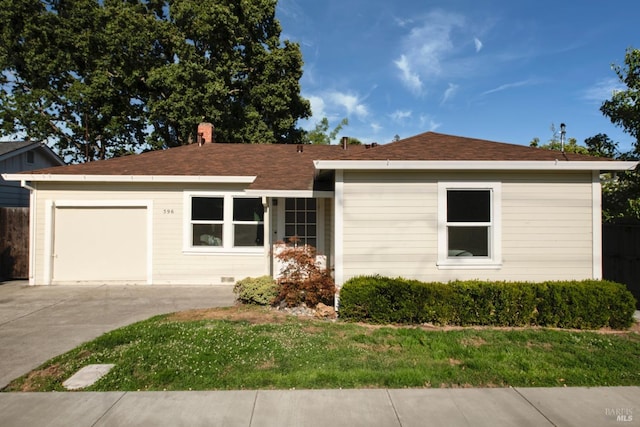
(40,322)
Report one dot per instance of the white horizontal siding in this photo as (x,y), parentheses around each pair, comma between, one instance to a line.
(390,225)
(169,264)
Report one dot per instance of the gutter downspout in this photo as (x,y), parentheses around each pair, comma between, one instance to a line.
(32,243)
(266,219)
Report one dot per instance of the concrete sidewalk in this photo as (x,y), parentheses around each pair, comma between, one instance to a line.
(585,407)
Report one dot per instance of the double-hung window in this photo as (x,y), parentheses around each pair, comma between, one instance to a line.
(248,222)
(469,225)
(207,220)
(223,222)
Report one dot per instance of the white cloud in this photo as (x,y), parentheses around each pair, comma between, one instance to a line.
(450,92)
(409,77)
(478,44)
(317,106)
(426,47)
(400,115)
(351,103)
(428,122)
(602,90)
(335,106)
(509,86)
(376,127)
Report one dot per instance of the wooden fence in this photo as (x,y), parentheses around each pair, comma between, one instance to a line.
(621,256)
(14,243)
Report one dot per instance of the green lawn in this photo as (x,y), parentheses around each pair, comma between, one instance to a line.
(260,350)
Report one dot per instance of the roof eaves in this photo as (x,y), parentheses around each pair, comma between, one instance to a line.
(541,165)
(130,178)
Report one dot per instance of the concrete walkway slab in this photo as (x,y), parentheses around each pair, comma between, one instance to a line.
(87,376)
(188,409)
(55,409)
(494,407)
(588,407)
(321,408)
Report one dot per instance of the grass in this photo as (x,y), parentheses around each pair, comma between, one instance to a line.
(251,348)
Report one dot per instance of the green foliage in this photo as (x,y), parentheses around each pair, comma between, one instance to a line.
(321,135)
(302,280)
(623,109)
(576,304)
(601,145)
(105,78)
(570,146)
(621,197)
(256,290)
(163,353)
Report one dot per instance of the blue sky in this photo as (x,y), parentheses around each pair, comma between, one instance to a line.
(491,69)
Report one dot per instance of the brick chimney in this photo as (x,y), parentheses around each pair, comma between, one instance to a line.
(205,133)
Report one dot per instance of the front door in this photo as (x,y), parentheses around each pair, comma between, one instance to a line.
(300,221)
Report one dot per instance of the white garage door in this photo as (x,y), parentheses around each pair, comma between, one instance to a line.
(100,244)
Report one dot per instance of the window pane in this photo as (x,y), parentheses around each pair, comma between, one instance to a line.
(207,235)
(207,208)
(248,235)
(468,206)
(311,231)
(468,241)
(290,204)
(311,217)
(290,230)
(247,209)
(311,204)
(290,217)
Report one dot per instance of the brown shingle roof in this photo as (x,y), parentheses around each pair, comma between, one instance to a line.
(437,146)
(276,166)
(283,167)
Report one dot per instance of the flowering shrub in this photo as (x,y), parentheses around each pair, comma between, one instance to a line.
(302,280)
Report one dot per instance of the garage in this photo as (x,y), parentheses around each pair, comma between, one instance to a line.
(100,244)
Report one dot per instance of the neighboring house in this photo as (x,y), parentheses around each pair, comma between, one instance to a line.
(432,207)
(21,156)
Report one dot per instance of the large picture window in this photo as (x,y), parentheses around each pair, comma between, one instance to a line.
(223,222)
(468,231)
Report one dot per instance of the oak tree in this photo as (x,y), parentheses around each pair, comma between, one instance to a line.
(102,78)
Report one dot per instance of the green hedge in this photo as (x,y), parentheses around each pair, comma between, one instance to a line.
(586,304)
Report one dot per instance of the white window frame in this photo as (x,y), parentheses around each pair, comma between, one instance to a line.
(494,260)
(228,225)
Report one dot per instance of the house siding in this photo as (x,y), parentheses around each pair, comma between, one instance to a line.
(391,222)
(11,193)
(169,263)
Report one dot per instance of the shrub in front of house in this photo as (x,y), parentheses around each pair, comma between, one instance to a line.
(256,290)
(302,279)
(583,304)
